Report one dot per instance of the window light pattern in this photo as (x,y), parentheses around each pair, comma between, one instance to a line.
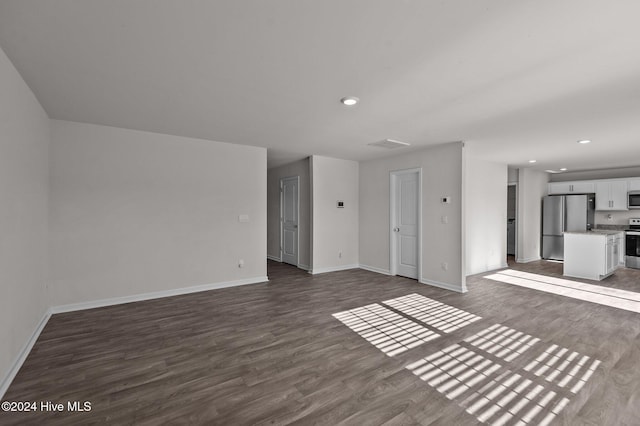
(442,317)
(385,329)
(563,367)
(502,341)
(511,398)
(453,370)
(495,392)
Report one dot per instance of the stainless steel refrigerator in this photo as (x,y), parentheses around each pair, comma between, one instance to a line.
(564,213)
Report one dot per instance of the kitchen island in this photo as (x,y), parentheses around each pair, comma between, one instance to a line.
(593,255)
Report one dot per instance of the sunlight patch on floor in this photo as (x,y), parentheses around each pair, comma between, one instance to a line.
(385,329)
(613,297)
(497,393)
(564,367)
(453,370)
(436,314)
(503,342)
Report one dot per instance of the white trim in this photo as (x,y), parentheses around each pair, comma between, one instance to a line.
(22,356)
(517,219)
(531,259)
(154,295)
(376,270)
(274,258)
(315,271)
(297,179)
(304,267)
(392,216)
(445,286)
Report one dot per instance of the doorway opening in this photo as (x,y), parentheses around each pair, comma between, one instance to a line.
(406,223)
(512,222)
(289,216)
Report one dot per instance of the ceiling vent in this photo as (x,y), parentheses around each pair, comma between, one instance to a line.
(389,144)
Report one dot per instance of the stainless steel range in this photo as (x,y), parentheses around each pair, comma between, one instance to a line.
(632,243)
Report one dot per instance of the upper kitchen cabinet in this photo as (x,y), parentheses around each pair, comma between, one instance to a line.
(578,187)
(611,195)
(634,184)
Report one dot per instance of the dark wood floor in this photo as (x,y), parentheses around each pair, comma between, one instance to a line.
(273,353)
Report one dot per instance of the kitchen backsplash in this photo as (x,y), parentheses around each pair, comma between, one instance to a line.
(612,227)
(617,218)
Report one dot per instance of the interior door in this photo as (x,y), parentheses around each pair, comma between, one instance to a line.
(289,219)
(405,229)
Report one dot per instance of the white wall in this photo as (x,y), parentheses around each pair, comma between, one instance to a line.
(442,175)
(334,230)
(485,214)
(532,186)
(135,212)
(298,168)
(24,187)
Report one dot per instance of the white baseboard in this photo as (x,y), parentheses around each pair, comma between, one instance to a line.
(527,260)
(445,286)
(274,258)
(315,271)
(374,269)
(22,356)
(154,295)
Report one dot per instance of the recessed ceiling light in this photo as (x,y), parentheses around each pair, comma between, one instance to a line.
(349,100)
(584,141)
(564,169)
(532,161)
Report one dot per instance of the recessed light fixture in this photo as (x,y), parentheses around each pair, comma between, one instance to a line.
(584,141)
(564,169)
(532,161)
(349,100)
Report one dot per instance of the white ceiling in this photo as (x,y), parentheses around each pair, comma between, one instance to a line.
(519,80)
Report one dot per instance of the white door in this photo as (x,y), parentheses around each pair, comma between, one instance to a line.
(289,220)
(405,223)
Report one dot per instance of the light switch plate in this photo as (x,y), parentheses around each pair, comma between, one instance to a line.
(243,218)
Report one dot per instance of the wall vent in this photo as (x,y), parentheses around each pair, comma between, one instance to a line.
(389,144)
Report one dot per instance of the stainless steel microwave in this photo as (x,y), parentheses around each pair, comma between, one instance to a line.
(633,200)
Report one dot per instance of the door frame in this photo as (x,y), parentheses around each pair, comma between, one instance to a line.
(515,250)
(297,179)
(393,198)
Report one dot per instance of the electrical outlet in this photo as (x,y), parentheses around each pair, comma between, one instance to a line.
(240,263)
(444,219)
(445,266)
(339,255)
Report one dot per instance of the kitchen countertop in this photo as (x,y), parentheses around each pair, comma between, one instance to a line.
(595,232)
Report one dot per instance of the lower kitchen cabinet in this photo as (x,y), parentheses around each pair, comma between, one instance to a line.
(592,255)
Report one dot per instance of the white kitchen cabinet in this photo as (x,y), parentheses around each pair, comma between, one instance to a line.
(612,256)
(591,255)
(611,195)
(621,245)
(633,184)
(577,187)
